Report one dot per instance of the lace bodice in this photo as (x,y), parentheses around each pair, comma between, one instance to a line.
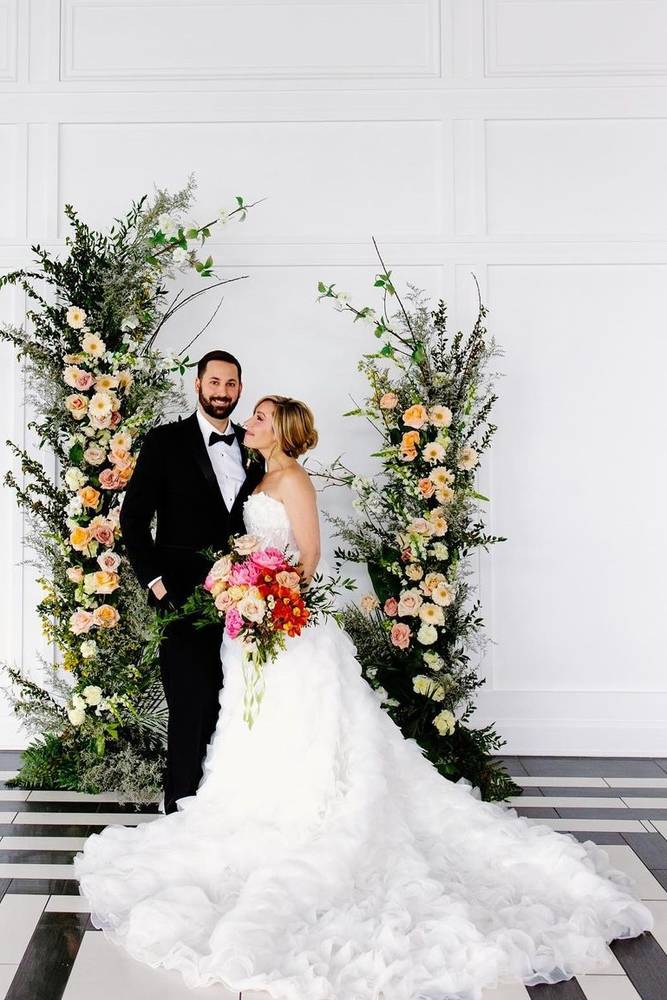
(266,517)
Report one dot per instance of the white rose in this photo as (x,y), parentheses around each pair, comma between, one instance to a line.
(445,722)
(74,507)
(427,635)
(167,225)
(252,607)
(78,702)
(440,550)
(92,694)
(432,660)
(76,716)
(75,478)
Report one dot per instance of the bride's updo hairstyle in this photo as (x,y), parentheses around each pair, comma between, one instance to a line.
(293,424)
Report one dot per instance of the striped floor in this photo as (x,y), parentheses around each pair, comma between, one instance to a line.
(49,949)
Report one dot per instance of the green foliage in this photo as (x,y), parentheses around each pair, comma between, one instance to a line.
(418,523)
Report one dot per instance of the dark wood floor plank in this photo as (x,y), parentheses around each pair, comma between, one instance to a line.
(44,886)
(597,767)
(49,957)
(35,857)
(567,990)
(650,847)
(598,836)
(645,964)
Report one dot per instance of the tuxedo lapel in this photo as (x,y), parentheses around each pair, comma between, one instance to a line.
(201,455)
(250,468)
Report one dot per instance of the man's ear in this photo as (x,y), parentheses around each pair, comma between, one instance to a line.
(197,384)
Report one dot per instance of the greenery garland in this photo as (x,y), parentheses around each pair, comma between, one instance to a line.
(97,384)
(417,524)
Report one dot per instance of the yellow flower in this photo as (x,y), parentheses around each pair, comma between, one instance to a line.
(79,538)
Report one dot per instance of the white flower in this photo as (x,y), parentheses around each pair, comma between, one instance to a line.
(381,694)
(443,595)
(93,345)
(75,478)
(78,702)
(130,323)
(468,458)
(180,255)
(369,317)
(92,694)
(76,317)
(101,404)
(74,507)
(440,550)
(431,614)
(252,606)
(343,297)
(167,225)
(223,216)
(432,660)
(76,716)
(427,635)
(88,649)
(445,722)
(429,687)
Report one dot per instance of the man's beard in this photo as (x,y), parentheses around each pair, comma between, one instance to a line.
(220,409)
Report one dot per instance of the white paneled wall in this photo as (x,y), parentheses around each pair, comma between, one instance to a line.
(522,140)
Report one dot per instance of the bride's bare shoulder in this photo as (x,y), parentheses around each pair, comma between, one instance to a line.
(295,482)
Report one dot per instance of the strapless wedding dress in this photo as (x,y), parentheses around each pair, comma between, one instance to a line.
(324,858)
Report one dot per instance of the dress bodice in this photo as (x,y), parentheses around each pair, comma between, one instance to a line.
(266,518)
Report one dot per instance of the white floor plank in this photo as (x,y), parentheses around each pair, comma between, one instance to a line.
(567,802)
(606,988)
(566,781)
(661,826)
(7,817)
(658,908)
(67,904)
(42,843)
(79,818)
(601,825)
(7,973)
(7,775)
(636,782)
(18,918)
(46,796)
(13,795)
(623,857)
(8,870)
(642,802)
(106,972)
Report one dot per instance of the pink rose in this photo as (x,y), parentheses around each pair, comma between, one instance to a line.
(391,607)
(115,418)
(401,635)
(102,531)
(75,574)
(108,561)
(109,479)
(84,380)
(271,559)
(208,583)
(233,623)
(223,602)
(81,621)
(244,573)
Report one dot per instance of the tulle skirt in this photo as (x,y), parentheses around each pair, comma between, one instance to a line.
(324,858)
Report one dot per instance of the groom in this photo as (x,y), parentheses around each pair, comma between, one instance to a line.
(194,476)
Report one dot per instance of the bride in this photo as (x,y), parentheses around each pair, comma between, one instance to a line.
(323,857)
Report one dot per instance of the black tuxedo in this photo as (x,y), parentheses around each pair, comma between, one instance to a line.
(174,481)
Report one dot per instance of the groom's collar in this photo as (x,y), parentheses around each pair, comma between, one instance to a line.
(206,427)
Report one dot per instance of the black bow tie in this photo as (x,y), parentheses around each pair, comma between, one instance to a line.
(226,438)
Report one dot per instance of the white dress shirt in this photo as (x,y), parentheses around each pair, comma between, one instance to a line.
(227,462)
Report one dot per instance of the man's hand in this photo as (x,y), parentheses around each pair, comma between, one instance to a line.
(159,590)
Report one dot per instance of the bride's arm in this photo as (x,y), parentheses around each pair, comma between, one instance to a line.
(299,497)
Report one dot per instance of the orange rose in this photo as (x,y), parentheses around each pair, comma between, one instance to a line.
(79,538)
(106,616)
(426,488)
(410,440)
(90,497)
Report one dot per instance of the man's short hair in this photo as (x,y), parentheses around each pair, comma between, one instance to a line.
(217,356)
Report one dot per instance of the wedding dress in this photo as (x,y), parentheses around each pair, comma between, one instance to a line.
(324,858)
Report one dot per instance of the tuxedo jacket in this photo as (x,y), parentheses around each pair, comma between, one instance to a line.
(174,481)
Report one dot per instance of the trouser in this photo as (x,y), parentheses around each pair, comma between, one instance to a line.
(192,677)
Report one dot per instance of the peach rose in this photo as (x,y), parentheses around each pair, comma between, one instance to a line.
(125,474)
(419,526)
(391,607)
(94,455)
(77,405)
(109,479)
(409,603)
(389,401)
(431,581)
(106,616)
(415,416)
(368,603)
(401,635)
(105,583)
(90,497)
(84,381)
(74,574)
(223,601)
(426,488)
(246,544)
(408,454)
(414,571)
(410,440)
(81,621)
(102,530)
(289,580)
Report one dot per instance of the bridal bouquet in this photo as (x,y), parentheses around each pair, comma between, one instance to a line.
(260,594)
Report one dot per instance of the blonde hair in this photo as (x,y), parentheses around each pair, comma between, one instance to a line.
(293,424)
